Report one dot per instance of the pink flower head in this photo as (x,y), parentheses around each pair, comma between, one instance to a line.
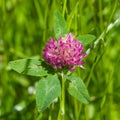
(67,52)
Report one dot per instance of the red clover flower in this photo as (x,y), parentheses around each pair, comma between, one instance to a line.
(66,52)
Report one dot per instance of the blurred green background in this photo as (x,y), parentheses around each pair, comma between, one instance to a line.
(25,27)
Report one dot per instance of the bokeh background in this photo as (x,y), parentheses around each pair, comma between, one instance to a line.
(26,26)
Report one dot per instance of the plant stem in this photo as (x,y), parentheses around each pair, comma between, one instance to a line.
(64,7)
(62,100)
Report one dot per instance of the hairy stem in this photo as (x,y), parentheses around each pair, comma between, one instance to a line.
(62,100)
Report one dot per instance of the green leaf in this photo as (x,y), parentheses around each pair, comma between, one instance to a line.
(86,39)
(78,89)
(28,66)
(60,26)
(47,90)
